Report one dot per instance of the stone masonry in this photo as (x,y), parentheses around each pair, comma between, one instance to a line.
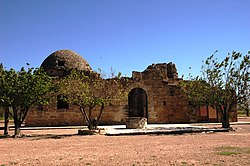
(153,94)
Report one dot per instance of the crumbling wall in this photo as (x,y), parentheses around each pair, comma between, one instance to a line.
(165,102)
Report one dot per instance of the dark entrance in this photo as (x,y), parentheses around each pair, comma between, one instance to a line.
(138,103)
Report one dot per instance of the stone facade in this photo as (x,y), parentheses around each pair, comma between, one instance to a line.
(153,94)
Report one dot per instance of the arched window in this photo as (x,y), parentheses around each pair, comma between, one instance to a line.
(62,102)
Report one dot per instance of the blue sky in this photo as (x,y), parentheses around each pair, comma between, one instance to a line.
(126,35)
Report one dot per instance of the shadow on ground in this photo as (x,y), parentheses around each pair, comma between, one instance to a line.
(40,136)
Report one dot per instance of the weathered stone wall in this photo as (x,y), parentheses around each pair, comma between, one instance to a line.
(51,116)
(115,114)
(165,103)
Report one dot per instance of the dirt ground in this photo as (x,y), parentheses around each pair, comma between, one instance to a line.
(63,147)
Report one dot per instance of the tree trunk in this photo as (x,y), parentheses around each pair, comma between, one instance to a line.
(247,110)
(6,122)
(17,131)
(225,122)
(84,114)
(99,116)
(224,113)
(92,121)
(17,125)
(91,126)
(24,114)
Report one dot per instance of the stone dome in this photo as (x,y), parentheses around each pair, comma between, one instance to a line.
(59,63)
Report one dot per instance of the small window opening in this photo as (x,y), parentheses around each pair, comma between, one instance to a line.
(164,103)
(60,63)
(62,102)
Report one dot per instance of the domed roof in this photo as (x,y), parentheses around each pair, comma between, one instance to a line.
(61,62)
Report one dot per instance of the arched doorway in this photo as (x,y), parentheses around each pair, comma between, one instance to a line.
(137,103)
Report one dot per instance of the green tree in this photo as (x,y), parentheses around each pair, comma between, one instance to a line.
(21,90)
(245,106)
(222,85)
(91,93)
(5,110)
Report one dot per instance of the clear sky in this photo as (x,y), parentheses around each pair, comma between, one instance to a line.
(126,35)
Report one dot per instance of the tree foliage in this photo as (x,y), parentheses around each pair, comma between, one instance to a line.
(91,93)
(22,89)
(222,85)
(245,106)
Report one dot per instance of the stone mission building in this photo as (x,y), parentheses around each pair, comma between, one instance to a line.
(153,93)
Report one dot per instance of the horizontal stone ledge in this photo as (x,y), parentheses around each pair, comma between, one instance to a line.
(166,131)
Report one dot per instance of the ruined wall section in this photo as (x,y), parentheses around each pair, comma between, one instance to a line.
(169,106)
(165,102)
(49,115)
(115,114)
